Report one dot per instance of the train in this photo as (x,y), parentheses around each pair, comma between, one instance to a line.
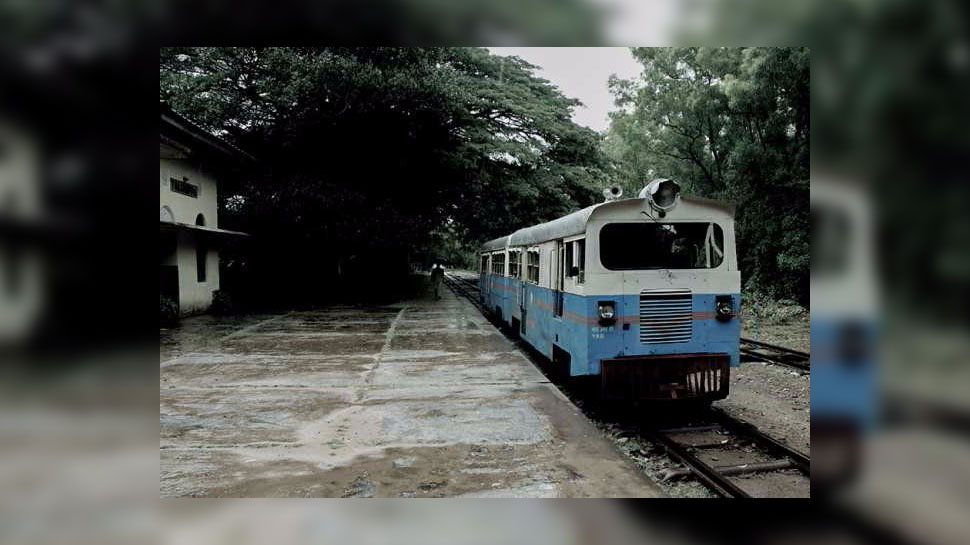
(845,330)
(641,295)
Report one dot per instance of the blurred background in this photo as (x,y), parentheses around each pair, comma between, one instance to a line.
(890,260)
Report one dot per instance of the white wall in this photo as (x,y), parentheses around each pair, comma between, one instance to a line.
(184,208)
(194,296)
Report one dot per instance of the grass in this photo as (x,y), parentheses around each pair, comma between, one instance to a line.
(758,308)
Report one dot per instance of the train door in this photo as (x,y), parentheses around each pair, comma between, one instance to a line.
(559,272)
(530,270)
(483,283)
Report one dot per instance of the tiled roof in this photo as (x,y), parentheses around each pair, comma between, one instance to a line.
(173,119)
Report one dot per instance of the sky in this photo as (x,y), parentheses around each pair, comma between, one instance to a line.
(580,72)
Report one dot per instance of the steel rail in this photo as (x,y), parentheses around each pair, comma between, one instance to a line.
(705,472)
(785,356)
(455,283)
(716,478)
(801,366)
(776,348)
(771,445)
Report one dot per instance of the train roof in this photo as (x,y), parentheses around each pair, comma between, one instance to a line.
(572,224)
(575,223)
(496,244)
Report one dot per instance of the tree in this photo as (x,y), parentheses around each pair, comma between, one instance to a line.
(371,152)
(731,124)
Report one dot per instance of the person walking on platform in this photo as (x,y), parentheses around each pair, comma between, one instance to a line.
(437,275)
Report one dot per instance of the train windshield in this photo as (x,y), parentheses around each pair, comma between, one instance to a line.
(643,246)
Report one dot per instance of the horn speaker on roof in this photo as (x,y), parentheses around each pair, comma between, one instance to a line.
(613,193)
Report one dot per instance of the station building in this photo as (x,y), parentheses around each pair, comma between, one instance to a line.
(192,165)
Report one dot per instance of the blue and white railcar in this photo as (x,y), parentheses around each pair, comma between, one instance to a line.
(640,292)
(845,329)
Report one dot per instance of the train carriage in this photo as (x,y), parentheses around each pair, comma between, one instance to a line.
(845,330)
(639,292)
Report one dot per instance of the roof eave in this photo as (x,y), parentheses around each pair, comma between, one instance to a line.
(171,225)
(177,121)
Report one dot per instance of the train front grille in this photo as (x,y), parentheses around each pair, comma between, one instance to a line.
(665,316)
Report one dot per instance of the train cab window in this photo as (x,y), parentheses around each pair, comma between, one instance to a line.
(575,260)
(644,246)
(485,264)
(514,257)
(498,264)
(532,266)
(580,262)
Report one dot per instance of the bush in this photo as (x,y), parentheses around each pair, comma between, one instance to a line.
(761,308)
(222,303)
(169,311)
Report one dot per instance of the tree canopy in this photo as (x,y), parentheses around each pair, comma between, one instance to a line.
(730,124)
(370,153)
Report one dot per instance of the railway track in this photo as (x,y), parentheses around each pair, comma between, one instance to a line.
(717,449)
(468,289)
(774,354)
(722,448)
(465,282)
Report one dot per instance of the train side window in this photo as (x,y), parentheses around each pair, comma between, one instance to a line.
(575,260)
(532,266)
(514,257)
(580,260)
(552,267)
(569,260)
(498,264)
(485,264)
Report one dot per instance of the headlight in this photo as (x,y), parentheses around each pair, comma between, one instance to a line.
(662,194)
(724,307)
(607,312)
(666,194)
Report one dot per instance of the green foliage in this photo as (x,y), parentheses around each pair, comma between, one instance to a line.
(759,309)
(168,311)
(222,303)
(730,124)
(381,151)
(889,117)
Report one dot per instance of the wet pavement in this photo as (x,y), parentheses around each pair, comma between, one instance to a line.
(419,399)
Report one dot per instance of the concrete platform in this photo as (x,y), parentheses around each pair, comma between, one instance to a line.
(421,399)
